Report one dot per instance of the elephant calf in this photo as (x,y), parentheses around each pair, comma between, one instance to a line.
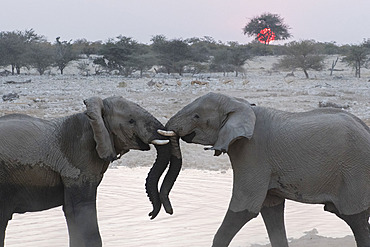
(321,156)
(45,164)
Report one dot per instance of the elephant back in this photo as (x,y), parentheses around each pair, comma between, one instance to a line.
(29,141)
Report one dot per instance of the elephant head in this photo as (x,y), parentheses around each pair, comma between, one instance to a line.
(212,119)
(120,125)
(198,123)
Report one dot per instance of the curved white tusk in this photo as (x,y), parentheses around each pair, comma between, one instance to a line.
(208,148)
(160,142)
(166,132)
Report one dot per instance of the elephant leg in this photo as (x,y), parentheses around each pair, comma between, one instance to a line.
(75,237)
(81,215)
(5,216)
(3,225)
(360,227)
(231,224)
(274,221)
(83,225)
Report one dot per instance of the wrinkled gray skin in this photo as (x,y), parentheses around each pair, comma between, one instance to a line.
(321,157)
(45,164)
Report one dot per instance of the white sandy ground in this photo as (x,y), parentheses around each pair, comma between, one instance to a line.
(201,194)
(200,199)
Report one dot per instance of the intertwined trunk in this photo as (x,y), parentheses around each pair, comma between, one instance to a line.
(160,165)
(172,174)
(151,185)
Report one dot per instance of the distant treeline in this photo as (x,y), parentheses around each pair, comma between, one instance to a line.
(124,55)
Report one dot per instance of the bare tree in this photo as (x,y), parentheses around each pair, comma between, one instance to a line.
(333,66)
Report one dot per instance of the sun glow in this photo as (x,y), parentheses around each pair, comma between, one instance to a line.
(266,35)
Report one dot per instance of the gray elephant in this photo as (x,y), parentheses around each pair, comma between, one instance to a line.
(45,164)
(320,157)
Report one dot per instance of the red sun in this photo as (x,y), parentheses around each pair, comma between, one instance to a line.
(265,36)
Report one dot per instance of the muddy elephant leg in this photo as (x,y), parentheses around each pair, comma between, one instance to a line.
(274,222)
(360,227)
(231,224)
(81,216)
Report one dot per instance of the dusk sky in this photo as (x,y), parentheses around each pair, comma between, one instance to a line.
(342,21)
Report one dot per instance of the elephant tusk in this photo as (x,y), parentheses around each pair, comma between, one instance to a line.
(166,132)
(160,142)
(209,148)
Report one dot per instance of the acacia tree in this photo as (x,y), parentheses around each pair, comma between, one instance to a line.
(262,26)
(303,55)
(41,56)
(201,50)
(173,55)
(238,55)
(221,61)
(230,57)
(125,55)
(63,54)
(357,57)
(142,59)
(83,46)
(14,47)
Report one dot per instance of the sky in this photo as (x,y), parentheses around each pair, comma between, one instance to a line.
(340,21)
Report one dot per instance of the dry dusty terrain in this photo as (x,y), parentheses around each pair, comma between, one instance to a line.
(201,194)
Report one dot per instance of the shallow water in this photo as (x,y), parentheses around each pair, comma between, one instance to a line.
(200,199)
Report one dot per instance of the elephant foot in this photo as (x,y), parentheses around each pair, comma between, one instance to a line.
(231,224)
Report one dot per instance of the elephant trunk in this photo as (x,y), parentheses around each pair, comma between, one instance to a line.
(151,185)
(175,159)
(174,168)
(172,174)
(159,166)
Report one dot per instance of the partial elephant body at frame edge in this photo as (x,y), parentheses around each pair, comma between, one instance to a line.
(44,164)
(321,156)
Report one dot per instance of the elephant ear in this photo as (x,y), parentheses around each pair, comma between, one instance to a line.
(104,144)
(239,121)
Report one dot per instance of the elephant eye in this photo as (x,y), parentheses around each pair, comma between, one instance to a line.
(196,116)
(131,121)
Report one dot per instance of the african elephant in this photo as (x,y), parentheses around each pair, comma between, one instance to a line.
(45,164)
(318,157)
